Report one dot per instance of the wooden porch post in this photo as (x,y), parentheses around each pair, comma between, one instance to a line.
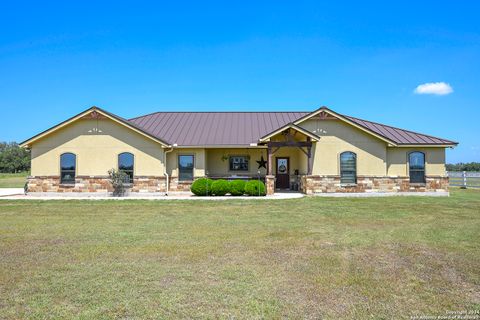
(269,164)
(309,163)
(309,157)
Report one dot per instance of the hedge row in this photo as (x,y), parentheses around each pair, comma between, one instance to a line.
(209,187)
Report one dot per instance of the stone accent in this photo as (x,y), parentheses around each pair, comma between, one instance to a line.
(149,184)
(176,185)
(270,184)
(331,184)
(93,184)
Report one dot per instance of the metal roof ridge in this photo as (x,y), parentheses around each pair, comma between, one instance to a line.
(157,112)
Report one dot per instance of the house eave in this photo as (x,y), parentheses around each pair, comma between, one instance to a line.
(426,145)
(267,137)
(27,143)
(221,146)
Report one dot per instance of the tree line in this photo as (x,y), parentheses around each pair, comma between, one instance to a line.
(13,158)
(471,166)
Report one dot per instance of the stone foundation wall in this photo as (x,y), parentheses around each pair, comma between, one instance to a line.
(93,184)
(176,185)
(149,184)
(330,184)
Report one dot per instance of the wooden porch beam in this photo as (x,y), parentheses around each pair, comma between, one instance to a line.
(306,153)
(273,144)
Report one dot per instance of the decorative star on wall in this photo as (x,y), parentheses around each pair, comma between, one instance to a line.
(262,163)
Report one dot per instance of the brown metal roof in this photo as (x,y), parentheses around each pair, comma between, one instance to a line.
(244,128)
(213,128)
(400,136)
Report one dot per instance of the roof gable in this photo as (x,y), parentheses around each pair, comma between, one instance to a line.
(92,112)
(309,134)
(392,135)
(324,113)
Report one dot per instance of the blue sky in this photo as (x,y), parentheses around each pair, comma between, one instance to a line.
(361,59)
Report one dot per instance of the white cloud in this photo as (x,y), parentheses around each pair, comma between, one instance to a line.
(438,88)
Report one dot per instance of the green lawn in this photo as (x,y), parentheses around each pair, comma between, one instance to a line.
(13,180)
(380,258)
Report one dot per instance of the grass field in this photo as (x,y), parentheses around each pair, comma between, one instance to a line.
(13,180)
(380,258)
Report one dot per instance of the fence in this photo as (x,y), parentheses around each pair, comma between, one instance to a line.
(464,179)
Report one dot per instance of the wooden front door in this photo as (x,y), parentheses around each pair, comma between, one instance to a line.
(283,173)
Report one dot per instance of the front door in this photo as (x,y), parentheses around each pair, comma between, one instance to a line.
(283,173)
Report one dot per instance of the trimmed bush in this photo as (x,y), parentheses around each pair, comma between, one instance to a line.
(255,188)
(202,187)
(220,187)
(237,187)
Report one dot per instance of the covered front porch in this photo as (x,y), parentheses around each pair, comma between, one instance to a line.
(289,153)
(280,160)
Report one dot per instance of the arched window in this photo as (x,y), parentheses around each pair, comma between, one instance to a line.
(125,164)
(416,166)
(68,165)
(348,168)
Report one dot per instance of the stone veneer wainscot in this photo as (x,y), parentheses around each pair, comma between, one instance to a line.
(145,184)
(330,184)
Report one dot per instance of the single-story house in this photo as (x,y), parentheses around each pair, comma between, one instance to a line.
(313,152)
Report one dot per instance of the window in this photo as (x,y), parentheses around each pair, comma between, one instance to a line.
(348,168)
(185,167)
(125,164)
(416,162)
(238,163)
(68,163)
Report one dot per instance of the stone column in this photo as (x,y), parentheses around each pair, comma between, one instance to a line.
(270,184)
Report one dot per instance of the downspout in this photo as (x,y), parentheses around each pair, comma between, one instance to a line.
(166,174)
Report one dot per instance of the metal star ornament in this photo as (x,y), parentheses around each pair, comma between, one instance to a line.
(262,163)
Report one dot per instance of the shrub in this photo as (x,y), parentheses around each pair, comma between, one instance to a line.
(117,179)
(202,187)
(220,187)
(237,187)
(255,188)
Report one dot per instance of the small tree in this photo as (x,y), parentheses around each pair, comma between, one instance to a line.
(117,179)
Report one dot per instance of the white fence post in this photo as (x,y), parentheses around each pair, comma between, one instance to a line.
(464,174)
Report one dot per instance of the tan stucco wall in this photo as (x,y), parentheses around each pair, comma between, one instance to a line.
(199,161)
(97,144)
(397,161)
(337,137)
(217,167)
